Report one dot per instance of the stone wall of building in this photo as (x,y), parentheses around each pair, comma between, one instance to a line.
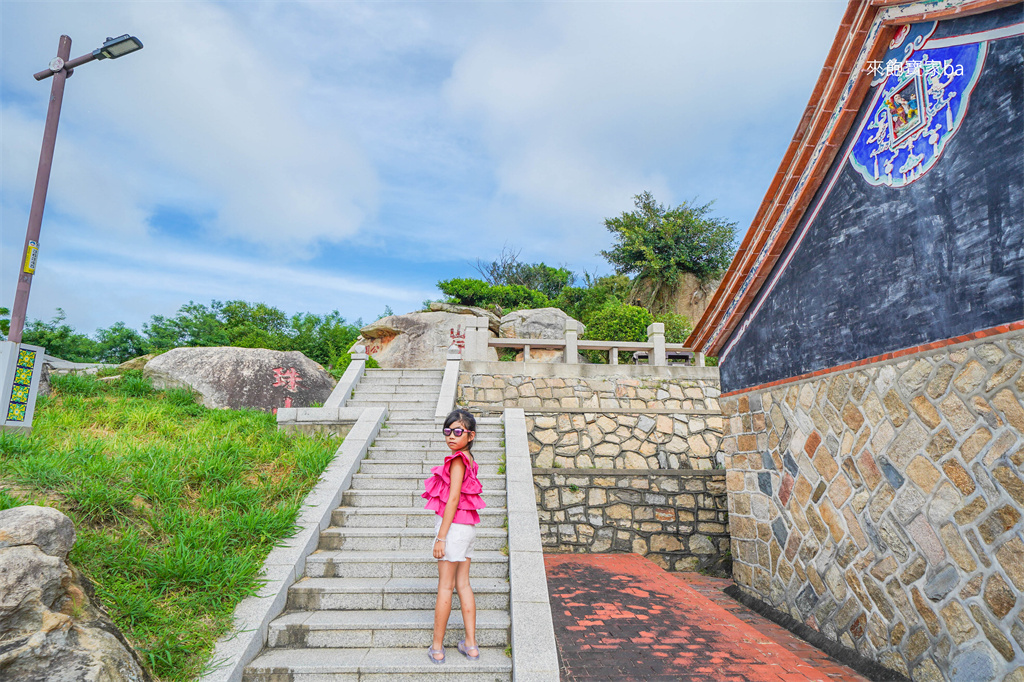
(625,441)
(882,506)
(678,519)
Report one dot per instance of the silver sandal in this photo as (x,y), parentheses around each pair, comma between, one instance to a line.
(430,653)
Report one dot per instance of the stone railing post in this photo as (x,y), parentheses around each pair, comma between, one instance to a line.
(470,343)
(572,335)
(350,379)
(656,335)
(483,336)
(449,384)
(698,358)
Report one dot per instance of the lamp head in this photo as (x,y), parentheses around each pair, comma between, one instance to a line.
(118,47)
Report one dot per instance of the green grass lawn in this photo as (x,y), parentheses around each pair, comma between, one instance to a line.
(175,506)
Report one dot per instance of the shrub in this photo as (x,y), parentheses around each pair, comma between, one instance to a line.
(619,323)
(475,292)
(677,327)
(581,303)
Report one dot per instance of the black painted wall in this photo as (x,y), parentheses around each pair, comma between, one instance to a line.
(883,269)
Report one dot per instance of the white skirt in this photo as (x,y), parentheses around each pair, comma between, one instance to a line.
(459,543)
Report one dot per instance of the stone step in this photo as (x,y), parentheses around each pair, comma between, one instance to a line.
(412,482)
(404,371)
(396,564)
(432,457)
(416,466)
(376,665)
(411,382)
(387,517)
(416,539)
(397,439)
(358,594)
(421,392)
(406,498)
(490,427)
(383,629)
(395,406)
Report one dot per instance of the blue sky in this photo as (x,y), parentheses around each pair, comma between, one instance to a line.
(347,155)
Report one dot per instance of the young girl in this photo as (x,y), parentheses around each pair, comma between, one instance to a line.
(453,491)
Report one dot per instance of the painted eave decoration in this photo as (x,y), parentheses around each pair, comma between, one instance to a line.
(924,94)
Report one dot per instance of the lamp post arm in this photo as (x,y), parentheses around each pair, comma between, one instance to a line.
(68,66)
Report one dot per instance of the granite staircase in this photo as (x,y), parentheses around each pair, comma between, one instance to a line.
(365,608)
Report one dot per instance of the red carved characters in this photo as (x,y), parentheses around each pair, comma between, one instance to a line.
(290,379)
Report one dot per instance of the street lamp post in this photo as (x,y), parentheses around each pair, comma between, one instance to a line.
(21,364)
(60,68)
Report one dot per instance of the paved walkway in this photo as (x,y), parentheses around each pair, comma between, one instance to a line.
(621,617)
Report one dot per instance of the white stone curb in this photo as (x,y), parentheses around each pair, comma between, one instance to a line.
(287,562)
(449,384)
(534,656)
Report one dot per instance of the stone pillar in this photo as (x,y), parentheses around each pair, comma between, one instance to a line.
(572,334)
(482,336)
(656,335)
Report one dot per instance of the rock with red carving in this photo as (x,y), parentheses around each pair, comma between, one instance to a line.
(416,339)
(243,377)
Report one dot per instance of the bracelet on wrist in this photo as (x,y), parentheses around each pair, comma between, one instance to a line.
(440,540)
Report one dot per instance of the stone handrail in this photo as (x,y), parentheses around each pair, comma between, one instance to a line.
(449,384)
(534,656)
(656,350)
(349,380)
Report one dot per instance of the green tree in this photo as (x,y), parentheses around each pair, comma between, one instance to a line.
(255,325)
(598,293)
(5,321)
(119,343)
(657,244)
(194,325)
(507,270)
(60,340)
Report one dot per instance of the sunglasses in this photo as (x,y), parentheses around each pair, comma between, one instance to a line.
(455,432)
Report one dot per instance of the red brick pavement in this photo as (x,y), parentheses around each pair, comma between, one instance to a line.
(621,617)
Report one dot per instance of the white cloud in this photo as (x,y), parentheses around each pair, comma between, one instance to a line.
(206,109)
(591,104)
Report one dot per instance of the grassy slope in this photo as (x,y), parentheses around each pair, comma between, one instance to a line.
(175,505)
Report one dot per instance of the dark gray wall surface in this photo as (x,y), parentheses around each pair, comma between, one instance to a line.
(882,269)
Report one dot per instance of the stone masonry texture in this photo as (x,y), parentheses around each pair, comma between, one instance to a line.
(621,463)
(676,519)
(882,506)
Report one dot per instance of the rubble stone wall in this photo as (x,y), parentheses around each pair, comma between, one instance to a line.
(678,519)
(882,506)
(618,419)
(532,385)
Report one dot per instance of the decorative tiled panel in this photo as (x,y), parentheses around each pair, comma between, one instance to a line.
(882,506)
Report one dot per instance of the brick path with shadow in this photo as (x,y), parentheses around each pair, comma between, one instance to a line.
(622,617)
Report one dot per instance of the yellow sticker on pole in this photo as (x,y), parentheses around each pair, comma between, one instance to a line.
(30,257)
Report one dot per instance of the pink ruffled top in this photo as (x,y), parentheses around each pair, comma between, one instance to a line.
(439,485)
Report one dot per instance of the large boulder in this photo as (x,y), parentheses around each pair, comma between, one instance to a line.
(493,321)
(416,339)
(538,323)
(52,627)
(243,377)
